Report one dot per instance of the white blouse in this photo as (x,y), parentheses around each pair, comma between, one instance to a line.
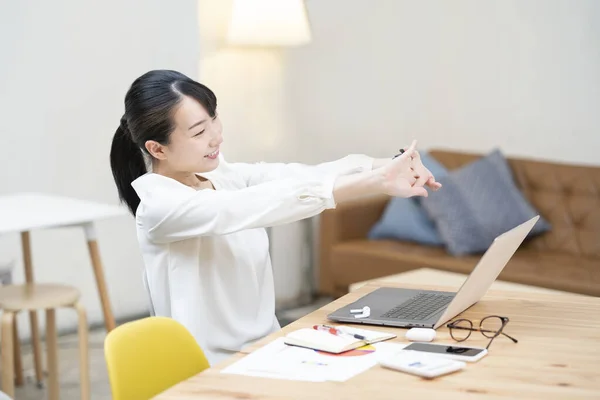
(206,252)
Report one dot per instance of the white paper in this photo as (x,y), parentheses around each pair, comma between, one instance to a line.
(280,361)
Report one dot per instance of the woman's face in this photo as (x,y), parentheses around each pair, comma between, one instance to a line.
(194,144)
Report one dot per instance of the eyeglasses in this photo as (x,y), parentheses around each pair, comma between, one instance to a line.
(490,327)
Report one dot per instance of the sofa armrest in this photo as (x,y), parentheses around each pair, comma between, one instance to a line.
(348,221)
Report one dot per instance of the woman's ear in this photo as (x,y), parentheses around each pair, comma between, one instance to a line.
(155,149)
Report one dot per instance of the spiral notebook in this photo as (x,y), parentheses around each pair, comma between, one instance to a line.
(328,342)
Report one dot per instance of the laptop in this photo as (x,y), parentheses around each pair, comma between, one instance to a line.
(407,308)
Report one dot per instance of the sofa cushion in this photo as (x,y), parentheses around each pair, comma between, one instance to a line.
(361,260)
(405,219)
(477,203)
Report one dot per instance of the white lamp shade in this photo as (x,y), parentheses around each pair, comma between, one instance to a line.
(269,23)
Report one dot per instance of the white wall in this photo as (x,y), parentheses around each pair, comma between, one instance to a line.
(64,69)
(523,75)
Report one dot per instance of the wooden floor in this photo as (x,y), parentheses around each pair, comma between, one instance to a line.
(69,370)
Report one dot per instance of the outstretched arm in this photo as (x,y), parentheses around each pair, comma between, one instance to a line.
(258,173)
(172,213)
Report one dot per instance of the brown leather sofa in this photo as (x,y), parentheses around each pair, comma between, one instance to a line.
(566,258)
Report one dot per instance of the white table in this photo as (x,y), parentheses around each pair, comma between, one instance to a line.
(25,212)
(431,276)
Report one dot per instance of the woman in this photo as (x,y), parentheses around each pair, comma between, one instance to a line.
(200,220)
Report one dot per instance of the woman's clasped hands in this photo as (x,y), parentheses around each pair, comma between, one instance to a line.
(406,176)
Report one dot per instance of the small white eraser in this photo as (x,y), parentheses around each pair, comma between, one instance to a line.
(420,334)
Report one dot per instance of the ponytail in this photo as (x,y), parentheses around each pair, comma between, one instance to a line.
(127,164)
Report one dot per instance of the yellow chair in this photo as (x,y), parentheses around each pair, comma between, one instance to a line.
(148,356)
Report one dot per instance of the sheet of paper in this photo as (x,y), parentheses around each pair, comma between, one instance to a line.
(280,361)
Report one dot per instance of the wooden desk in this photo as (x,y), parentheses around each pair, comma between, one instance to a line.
(557,357)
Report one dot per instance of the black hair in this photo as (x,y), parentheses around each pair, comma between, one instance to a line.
(150,104)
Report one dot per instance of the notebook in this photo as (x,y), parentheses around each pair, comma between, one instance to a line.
(328,342)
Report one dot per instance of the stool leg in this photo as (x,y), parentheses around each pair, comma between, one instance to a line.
(52,354)
(33,320)
(8,384)
(84,363)
(19,381)
(37,348)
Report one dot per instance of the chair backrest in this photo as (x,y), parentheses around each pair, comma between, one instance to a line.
(147,356)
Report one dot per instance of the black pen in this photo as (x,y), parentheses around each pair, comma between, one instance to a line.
(399,154)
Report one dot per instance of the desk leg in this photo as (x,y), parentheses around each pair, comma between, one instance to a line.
(35,333)
(109,319)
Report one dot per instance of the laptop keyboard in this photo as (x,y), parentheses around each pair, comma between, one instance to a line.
(419,307)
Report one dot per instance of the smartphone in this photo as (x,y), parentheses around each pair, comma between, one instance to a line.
(461,353)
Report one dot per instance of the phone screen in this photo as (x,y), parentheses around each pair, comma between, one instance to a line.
(442,349)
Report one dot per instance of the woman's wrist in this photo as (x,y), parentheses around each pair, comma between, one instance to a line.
(349,187)
(381,162)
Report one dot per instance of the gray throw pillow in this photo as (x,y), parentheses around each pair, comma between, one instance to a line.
(477,203)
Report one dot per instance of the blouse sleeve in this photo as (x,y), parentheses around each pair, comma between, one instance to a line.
(171,212)
(257,173)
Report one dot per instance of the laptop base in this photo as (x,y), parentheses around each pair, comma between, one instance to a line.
(382,300)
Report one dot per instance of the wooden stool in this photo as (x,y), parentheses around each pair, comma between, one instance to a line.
(31,297)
